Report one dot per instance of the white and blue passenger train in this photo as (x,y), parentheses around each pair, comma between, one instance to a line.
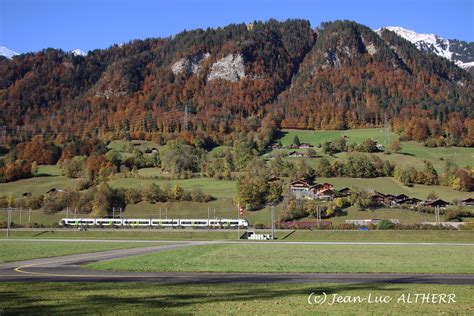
(151,222)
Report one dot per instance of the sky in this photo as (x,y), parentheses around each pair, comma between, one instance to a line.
(32,25)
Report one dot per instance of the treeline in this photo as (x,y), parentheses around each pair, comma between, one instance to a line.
(442,130)
(99,200)
(453,176)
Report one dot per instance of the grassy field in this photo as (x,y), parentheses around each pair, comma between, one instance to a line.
(243,299)
(405,217)
(19,250)
(286,235)
(280,258)
(153,172)
(49,170)
(37,186)
(412,153)
(217,188)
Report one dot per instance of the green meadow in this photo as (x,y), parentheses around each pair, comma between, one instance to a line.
(282,258)
(25,250)
(211,299)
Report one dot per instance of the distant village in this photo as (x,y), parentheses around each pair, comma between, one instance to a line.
(301,188)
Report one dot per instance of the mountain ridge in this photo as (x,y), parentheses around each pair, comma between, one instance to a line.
(457,51)
(341,75)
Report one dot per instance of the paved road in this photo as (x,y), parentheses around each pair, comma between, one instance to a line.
(379,243)
(67,268)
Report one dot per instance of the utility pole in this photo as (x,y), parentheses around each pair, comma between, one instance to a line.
(273,220)
(208,214)
(21,209)
(238,221)
(67,212)
(3,135)
(120,212)
(160,213)
(385,127)
(113,212)
(29,215)
(437,215)
(9,219)
(186,117)
(166,212)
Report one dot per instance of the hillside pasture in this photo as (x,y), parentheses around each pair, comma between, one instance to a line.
(411,154)
(37,185)
(216,188)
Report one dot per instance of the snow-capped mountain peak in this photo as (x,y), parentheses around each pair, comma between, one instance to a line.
(78,52)
(426,42)
(459,52)
(8,53)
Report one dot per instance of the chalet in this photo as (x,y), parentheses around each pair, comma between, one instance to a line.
(468,202)
(26,194)
(54,190)
(378,197)
(326,194)
(299,186)
(399,197)
(272,179)
(295,154)
(435,203)
(410,201)
(304,224)
(326,186)
(305,146)
(315,189)
(364,222)
(276,146)
(152,150)
(345,192)
(390,200)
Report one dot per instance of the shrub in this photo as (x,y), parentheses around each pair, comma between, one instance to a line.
(385,224)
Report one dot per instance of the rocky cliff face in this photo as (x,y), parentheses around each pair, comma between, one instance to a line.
(230,68)
(189,65)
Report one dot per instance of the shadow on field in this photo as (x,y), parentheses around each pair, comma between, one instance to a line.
(94,298)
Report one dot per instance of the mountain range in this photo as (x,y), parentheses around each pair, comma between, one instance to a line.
(457,51)
(339,75)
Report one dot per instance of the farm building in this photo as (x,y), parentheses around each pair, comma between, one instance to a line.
(365,222)
(305,146)
(272,179)
(468,202)
(299,186)
(295,154)
(54,190)
(344,192)
(436,203)
(303,225)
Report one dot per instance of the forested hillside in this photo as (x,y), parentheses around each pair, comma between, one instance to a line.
(285,74)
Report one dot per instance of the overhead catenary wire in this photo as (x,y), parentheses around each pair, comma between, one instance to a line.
(149,122)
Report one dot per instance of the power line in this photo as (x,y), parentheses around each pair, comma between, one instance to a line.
(147,123)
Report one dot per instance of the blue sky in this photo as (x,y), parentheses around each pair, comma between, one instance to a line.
(31,25)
